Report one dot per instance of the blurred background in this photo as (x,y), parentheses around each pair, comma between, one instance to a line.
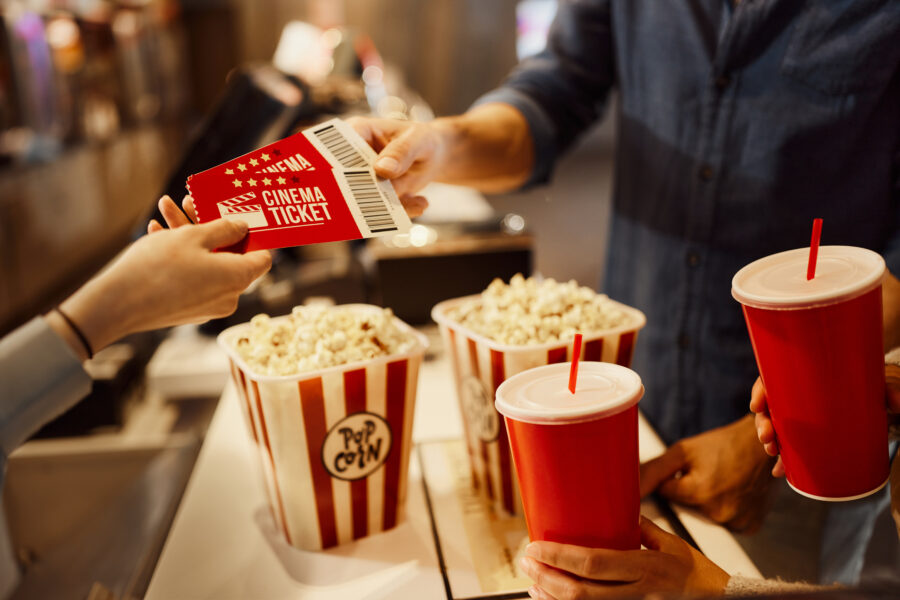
(105,105)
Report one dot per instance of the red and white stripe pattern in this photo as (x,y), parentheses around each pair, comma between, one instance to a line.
(236,200)
(492,469)
(247,208)
(289,420)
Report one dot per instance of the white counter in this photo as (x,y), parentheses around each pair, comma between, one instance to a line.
(223,543)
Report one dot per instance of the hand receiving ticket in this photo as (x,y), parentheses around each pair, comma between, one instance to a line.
(314,186)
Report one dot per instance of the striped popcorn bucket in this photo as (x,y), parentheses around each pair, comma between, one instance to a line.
(480,365)
(334,444)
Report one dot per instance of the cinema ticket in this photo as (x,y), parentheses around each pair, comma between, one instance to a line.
(315,186)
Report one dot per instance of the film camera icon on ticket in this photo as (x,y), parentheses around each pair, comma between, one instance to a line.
(240,208)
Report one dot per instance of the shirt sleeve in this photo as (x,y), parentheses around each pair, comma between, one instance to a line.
(42,377)
(563,90)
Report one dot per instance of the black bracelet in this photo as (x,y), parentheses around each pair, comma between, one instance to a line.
(74,327)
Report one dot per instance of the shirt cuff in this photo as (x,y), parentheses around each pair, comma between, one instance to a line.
(540,126)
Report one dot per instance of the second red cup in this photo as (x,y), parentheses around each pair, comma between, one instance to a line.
(818,345)
(576,455)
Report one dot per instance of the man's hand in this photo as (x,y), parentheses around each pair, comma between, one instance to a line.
(669,565)
(724,472)
(763,422)
(410,154)
(488,148)
(765,432)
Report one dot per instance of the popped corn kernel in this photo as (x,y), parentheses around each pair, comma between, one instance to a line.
(531,311)
(318,337)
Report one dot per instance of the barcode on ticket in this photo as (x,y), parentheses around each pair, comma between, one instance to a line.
(371,203)
(340,147)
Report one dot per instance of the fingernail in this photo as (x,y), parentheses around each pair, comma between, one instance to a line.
(531,549)
(387,164)
(532,591)
(524,564)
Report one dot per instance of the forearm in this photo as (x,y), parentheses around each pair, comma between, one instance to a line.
(489,148)
(98,310)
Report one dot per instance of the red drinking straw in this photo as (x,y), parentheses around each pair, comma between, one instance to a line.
(576,354)
(814,249)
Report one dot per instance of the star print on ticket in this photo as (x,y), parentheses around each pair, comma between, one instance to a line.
(314,186)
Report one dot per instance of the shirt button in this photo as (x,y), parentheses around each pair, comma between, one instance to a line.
(722,82)
(683,340)
(706,173)
(693,259)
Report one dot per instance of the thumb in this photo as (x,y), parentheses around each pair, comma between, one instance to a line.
(396,158)
(259,261)
(758,400)
(655,472)
(656,538)
(221,232)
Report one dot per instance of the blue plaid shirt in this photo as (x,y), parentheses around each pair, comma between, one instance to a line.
(736,127)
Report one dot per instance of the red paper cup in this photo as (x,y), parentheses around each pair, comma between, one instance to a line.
(480,365)
(576,455)
(818,344)
(334,443)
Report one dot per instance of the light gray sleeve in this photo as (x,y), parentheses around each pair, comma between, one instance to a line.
(41,378)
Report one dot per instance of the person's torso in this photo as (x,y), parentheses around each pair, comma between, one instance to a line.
(735,130)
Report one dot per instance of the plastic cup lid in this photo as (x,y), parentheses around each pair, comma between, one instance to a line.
(541,395)
(779,281)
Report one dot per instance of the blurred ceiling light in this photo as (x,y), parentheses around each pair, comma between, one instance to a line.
(125,23)
(391,107)
(513,223)
(401,240)
(373,75)
(62,33)
(64,40)
(420,235)
(302,51)
(332,37)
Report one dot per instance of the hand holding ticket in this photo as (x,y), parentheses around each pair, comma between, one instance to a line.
(315,186)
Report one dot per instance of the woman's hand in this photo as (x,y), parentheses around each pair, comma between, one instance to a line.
(669,565)
(174,217)
(171,277)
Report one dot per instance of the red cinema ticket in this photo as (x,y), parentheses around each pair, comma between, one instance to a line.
(329,145)
(291,209)
(294,196)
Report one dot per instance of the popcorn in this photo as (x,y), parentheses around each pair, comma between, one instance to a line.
(318,337)
(529,312)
